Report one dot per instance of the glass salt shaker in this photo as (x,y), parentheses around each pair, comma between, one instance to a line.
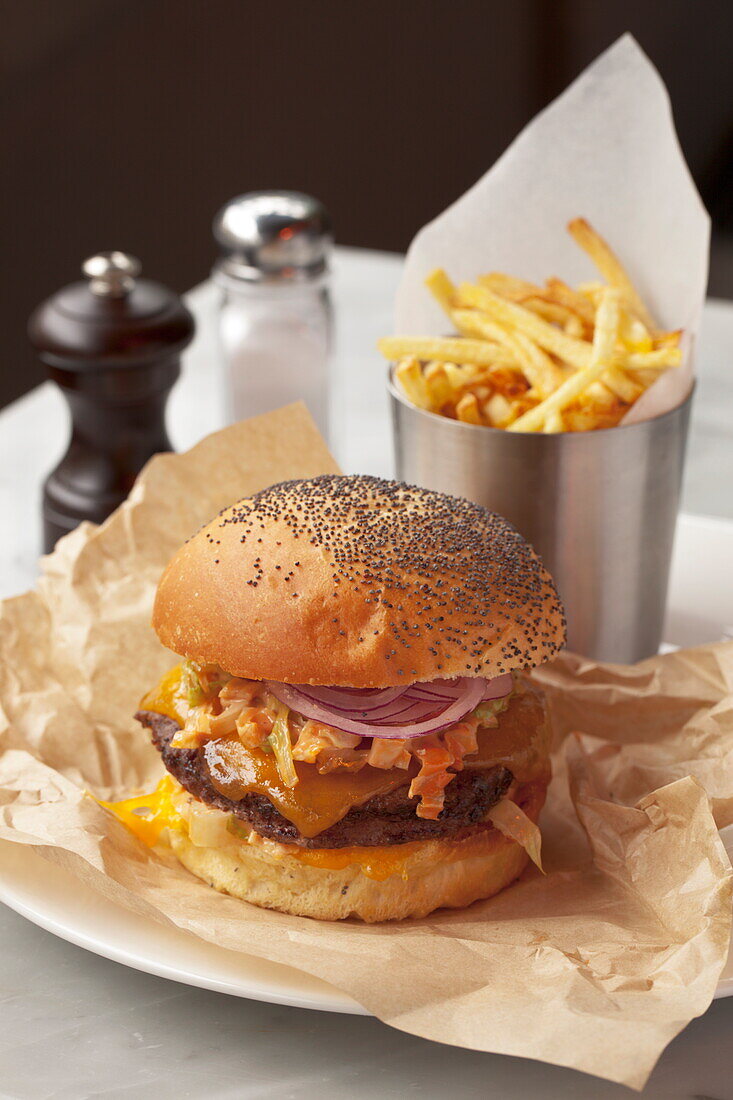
(275,311)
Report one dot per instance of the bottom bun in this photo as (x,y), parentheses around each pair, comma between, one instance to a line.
(436,874)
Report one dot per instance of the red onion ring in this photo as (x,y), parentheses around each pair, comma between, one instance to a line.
(426,691)
(385,713)
(410,712)
(353,698)
(498,687)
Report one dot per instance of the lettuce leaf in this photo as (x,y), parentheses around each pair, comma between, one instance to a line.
(487,711)
(279,741)
(513,822)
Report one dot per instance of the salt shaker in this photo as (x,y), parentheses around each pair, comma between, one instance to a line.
(274,310)
(112,344)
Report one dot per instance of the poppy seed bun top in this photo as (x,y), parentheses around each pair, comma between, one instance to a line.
(358,582)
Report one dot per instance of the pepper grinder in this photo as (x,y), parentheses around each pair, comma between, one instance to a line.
(113,345)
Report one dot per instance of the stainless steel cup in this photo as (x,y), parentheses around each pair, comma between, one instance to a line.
(599,508)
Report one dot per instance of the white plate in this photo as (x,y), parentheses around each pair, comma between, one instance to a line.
(701,610)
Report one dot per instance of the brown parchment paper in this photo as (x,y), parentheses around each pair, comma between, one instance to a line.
(596,965)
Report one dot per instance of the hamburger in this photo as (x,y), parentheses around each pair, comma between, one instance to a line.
(350,731)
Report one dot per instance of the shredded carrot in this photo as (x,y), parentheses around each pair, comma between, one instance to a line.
(239,691)
(436,755)
(387,753)
(333,760)
(316,738)
(254,724)
(430,782)
(461,740)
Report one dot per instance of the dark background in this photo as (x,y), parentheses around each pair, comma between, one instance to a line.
(127,123)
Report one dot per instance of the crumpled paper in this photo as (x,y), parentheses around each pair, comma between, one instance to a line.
(596,965)
(606,150)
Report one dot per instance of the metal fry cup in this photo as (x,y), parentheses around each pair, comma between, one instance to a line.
(599,507)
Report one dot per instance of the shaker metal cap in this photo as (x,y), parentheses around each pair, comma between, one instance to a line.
(273,235)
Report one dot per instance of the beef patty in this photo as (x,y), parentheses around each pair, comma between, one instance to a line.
(384,819)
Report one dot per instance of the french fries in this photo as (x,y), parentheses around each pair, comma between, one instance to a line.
(609,266)
(474,353)
(604,343)
(549,358)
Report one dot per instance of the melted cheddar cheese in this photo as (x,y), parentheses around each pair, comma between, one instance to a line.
(148,815)
(520,740)
(380,862)
(316,802)
(168,697)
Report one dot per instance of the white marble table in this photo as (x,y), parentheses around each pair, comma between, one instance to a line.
(73,1025)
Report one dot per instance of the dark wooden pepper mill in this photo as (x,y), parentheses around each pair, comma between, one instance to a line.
(113,345)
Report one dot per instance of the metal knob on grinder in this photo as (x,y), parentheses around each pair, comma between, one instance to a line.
(111,274)
(112,343)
